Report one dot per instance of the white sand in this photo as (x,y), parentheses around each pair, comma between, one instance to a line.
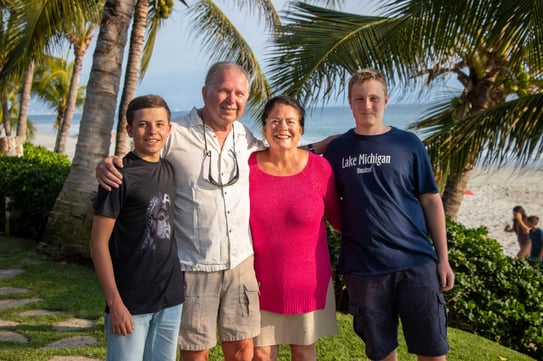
(48,140)
(495,193)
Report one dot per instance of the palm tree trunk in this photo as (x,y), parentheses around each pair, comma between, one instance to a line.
(69,224)
(9,145)
(64,129)
(481,96)
(454,191)
(131,74)
(25,101)
(5,114)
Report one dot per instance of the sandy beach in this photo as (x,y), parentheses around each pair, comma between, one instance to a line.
(494,194)
(47,140)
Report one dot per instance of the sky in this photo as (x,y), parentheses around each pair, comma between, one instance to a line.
(178,66)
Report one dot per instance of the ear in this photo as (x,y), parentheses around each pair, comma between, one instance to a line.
(129,130)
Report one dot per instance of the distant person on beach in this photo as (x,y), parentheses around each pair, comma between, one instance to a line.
(521,229)
(390,205)
(536,236)
(291,192)
(209,150)
(132,245)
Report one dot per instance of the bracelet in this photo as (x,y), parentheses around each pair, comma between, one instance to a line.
(311,148)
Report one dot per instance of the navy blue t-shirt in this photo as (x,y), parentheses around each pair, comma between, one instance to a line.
(379,179)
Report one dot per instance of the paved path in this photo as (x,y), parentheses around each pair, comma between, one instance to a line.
(7,333)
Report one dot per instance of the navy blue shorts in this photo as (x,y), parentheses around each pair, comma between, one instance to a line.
(412,295)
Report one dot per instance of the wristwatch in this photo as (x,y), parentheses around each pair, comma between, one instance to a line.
(311,148)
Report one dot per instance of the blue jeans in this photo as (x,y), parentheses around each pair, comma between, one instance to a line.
(154,338)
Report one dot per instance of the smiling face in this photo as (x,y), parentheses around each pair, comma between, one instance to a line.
(150,128)
(368,101)
(282,127)
(225,97)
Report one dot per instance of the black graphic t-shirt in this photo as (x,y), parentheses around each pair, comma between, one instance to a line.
(142,245)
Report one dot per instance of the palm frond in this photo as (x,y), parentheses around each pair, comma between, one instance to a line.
(38,26)
(221,38)
(154,23)
(319,48)
(260,9)
(509,133)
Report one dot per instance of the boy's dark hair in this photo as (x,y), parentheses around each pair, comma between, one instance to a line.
(143,102)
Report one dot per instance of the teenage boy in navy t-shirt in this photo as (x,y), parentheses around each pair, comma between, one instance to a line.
(390,205)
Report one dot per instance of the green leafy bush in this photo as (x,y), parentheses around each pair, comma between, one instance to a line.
(334,245)
(32,184)
(495,296)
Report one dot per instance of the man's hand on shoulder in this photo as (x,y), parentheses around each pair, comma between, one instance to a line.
(107,174)
(320,146)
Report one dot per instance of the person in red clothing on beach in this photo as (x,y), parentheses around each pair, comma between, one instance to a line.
(291,191)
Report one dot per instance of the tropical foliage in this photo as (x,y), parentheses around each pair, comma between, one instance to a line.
(35,30)
(492,47)
(29,187)
(74,205)
(222,40)
(9,85)
(495,296)
(52,84)
(69,222)
(79,33)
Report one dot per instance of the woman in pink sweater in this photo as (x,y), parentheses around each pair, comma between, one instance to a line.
(291,191)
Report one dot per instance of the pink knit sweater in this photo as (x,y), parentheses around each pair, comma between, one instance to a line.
(292,262)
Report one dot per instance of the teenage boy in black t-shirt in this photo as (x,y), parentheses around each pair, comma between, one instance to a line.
(132,244)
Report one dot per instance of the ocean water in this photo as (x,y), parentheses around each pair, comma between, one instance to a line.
(319,122)
(322,122)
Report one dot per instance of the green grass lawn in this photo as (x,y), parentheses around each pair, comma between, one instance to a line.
(74,290)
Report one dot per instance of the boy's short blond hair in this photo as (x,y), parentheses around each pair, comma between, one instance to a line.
(364,75)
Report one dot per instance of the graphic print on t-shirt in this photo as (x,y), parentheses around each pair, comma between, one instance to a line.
(365,162)
(157,223)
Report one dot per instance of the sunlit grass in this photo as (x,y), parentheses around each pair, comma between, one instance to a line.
(74,291)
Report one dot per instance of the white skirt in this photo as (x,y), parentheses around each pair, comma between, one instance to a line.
(298,329)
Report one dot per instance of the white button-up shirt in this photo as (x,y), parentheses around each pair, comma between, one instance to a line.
(211,222)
